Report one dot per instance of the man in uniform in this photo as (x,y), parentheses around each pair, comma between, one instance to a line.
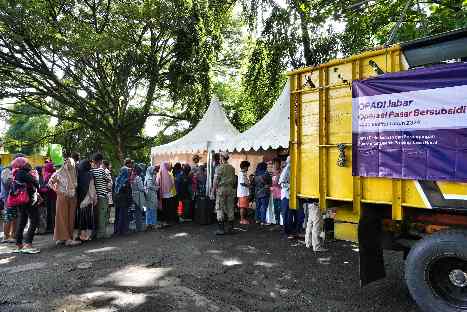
(224,190)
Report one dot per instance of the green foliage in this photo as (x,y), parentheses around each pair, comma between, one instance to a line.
(370,25)
(25,134)
(104,65)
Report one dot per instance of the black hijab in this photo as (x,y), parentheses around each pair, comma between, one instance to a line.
(84,178)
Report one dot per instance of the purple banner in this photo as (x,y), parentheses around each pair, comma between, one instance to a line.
(412,124)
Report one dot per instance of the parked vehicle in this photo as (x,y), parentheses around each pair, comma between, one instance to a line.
(424,217)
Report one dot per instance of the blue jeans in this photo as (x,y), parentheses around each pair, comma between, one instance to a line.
(285,214)
(261,209)
(295,219)
(277,210)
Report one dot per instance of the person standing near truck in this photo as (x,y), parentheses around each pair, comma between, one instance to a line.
(284,181)
(263,184)
(224,190)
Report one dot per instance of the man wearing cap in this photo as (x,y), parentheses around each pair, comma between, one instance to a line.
(224,189)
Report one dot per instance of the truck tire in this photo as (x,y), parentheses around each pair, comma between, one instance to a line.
(436,272)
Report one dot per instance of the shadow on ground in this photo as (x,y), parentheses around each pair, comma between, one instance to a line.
(186,268)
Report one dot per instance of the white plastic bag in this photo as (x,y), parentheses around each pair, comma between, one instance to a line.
(270,216)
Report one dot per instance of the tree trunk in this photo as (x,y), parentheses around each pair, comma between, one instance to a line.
(120,148)
(306,41)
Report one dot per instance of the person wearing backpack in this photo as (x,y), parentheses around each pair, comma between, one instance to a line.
(22,194)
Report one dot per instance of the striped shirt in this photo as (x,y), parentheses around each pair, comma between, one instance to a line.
(100,181)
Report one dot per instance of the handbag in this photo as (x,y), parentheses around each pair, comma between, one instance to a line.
(18,195)
(90,198)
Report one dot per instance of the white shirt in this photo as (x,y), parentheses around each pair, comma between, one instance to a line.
(243,191)
(284,182)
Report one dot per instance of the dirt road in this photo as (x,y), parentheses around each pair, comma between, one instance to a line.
(186,268)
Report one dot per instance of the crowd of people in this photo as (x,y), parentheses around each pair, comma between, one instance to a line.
(74,200)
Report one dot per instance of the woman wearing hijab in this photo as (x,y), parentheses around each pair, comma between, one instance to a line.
(151,188)
(64,183)
(50,196)
(122,201)
(168,193)
(26,212)
(137,190)
(10,213)
(87,200)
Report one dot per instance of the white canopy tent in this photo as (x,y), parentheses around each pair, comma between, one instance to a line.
(271,132)
(212,129)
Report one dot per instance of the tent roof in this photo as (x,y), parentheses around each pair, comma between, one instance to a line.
(273,131)
(213,127)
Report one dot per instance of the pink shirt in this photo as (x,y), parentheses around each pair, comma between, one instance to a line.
(276,188)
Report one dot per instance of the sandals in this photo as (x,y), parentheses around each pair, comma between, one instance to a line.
(22,249)
(29,250)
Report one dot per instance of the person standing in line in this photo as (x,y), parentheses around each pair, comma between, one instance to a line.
(64,182)
(122,201)
(9,213)
(195,171)
(314,227)
(243,191)
(22,177)
(87,200)
(224,190)
(108,171)
(263,183)
(50,196)
(168,194)
(137,189)
(151,188)
(276,189)
(284,181)
(41,204)
(185,192)
(101,182)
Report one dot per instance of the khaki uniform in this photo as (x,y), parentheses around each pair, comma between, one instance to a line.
(225,192)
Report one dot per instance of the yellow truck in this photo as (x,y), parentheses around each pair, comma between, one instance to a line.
(388,202)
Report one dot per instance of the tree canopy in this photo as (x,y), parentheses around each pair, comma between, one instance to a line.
(104,65)
(101,68)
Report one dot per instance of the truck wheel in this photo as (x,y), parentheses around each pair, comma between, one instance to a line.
(436,272)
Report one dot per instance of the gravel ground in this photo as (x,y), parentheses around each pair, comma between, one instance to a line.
(186,268)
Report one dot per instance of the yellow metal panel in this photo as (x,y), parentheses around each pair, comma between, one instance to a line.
(345,214)
(294,120)
(340,115)
(309,179)
(346,231)
(377,189)
(394,49)
(339,73)
(410,195)
(339,176)
(453,190)
(323,137)
(397,211)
